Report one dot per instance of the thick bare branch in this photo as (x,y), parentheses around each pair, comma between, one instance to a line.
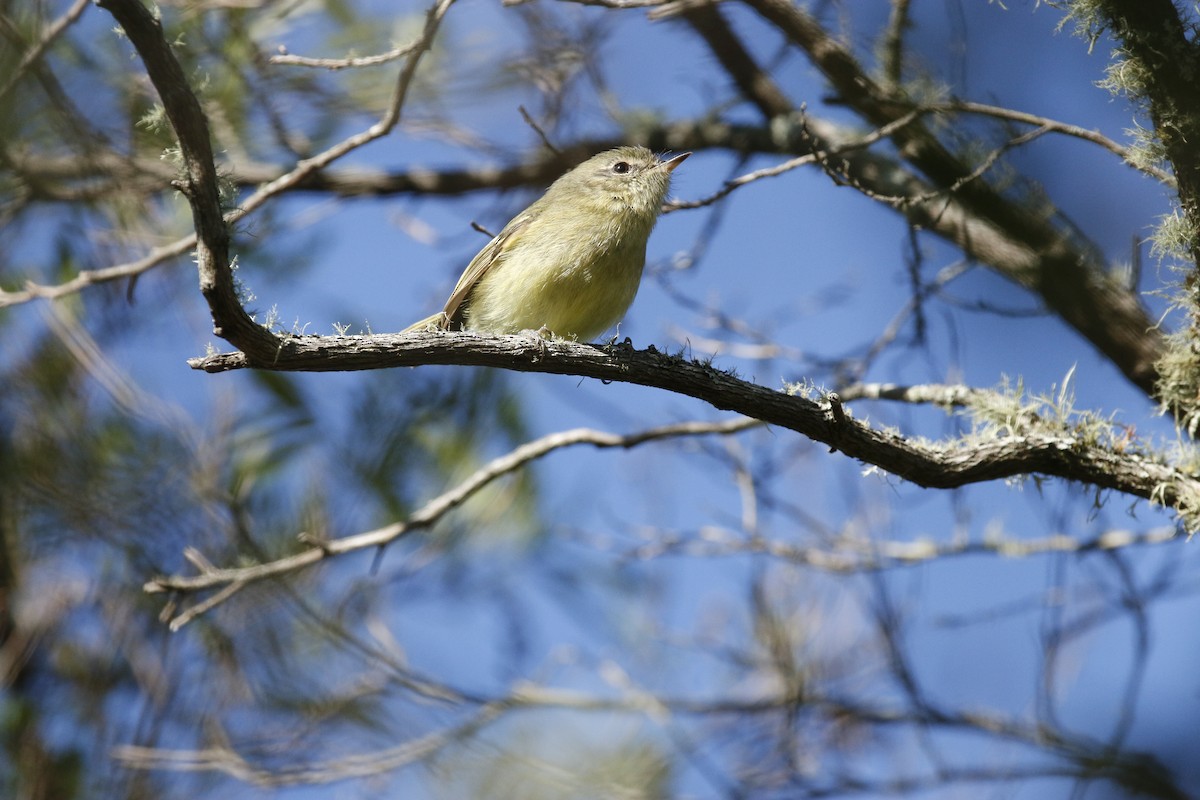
(1058,453)
(1127,335)
(755,84)
(851,556)
(892,46)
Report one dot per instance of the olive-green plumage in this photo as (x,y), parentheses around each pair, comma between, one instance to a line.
(571,262)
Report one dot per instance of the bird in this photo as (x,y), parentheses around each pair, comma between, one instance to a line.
(570,264)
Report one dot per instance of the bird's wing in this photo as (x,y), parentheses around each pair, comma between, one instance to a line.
(480,264)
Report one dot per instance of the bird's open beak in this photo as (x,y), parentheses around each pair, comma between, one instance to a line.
(671,164)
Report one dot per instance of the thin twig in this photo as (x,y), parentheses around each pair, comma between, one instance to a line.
(349,62)
(999,112)
(433,510)
(878,134)
(538,130)
(848,556)
(384,126)
(88,277)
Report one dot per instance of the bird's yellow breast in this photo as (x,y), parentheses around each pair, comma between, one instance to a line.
(574,286)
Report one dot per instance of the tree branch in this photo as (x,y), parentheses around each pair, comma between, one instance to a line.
(230,320)
(200,184)
(226,760)
(234,578)
(1065,271)
(1065,128)
(1062,271)
(1056,452)
(1142,773)
(1154,38)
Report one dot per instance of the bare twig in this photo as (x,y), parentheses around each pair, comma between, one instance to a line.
(1065,128)
(90,277)
(532,123)
(851,556)
(349,62)
(1084,757)
(1061,261)
(308,167)
(205,605)
(431,512)
(1052,451)
(869,139)
(603,3)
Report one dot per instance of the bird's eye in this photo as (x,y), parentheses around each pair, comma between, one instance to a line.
(620,167)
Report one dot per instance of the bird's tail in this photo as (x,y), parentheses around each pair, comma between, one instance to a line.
(435,322)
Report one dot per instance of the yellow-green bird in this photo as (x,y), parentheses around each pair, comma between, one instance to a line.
(571,262)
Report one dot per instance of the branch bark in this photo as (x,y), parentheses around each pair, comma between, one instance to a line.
(199,183)
(1060,453)
(1154,37)
(200,186)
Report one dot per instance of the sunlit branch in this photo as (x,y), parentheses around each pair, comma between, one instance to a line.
(335,64)
(928,394)
(91,277)
(431,512)
(749,351)
(602,3)
(1065,128)
(852,556)
(1058,450)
